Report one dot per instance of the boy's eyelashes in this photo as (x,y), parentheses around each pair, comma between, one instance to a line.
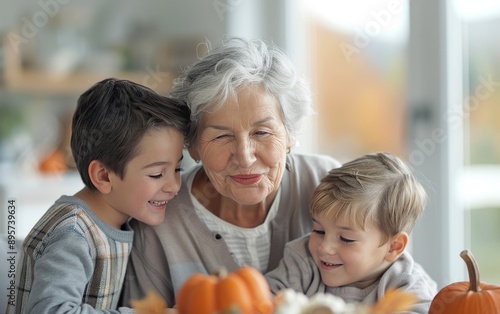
(160,175)
(343,239)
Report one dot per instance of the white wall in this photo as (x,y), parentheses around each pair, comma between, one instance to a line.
(436,135)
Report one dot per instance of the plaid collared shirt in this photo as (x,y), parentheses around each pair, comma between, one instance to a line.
(71,259)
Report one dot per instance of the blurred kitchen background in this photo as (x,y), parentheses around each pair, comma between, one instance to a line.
(417,78)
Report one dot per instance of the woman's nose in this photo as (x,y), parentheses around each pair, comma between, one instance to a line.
(244,152)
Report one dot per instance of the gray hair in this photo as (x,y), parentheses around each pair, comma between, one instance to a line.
(237,63)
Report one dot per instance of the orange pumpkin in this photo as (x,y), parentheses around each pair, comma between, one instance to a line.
(244,291)
(467,297)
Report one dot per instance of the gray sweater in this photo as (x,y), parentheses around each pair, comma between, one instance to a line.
(298,271)
(165,256)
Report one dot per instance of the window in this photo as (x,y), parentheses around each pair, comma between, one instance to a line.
(482,114)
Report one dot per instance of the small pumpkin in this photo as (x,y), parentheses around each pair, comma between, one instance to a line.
(467,297)
(244,291)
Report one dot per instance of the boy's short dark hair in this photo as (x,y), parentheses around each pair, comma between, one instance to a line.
(111,119)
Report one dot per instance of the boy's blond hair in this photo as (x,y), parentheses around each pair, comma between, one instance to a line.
(373,190)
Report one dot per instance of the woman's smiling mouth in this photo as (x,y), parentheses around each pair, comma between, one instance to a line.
(247,179)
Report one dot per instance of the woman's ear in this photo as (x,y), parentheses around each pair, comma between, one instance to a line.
(193,152)
(99,175)
(397,246)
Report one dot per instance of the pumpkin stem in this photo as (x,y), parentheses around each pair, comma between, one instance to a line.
(473,270)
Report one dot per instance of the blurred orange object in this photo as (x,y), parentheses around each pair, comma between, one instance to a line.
(53,163)
(153,303)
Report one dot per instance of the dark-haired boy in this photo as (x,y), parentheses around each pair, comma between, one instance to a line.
(127,142)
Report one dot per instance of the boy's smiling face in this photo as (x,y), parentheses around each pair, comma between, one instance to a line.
(345,255)
(152,178)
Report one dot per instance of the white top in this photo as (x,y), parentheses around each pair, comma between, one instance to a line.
(248,246)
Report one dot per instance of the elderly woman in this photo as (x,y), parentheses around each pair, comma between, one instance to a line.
(250,193)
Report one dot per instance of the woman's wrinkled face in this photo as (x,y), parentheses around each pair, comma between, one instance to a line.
(243,146)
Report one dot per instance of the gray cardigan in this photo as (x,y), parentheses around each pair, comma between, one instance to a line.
(298,271)
(163,257)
